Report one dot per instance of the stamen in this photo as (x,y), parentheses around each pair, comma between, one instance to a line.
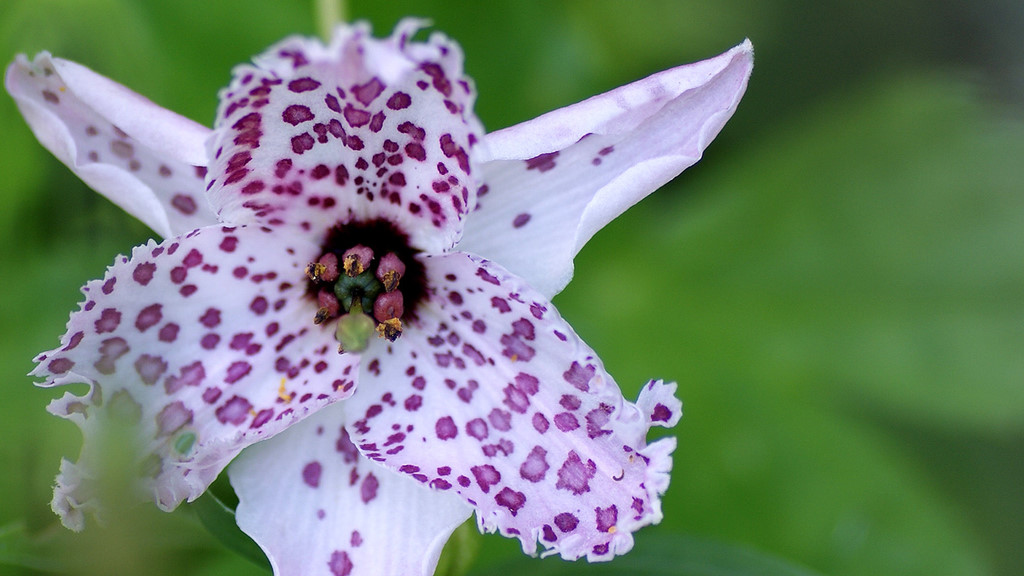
(356,259)
(390,271)
(330,263)
(389,305)
(329,306)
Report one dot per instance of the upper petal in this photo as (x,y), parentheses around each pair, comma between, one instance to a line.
(554,181)
(492,396)
(206,344)
(146,159)
(343,511)
(316,135)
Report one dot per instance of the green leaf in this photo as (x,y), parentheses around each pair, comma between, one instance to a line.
(665,554)
(220,521)
(16,550)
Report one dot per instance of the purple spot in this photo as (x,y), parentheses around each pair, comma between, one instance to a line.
(234,411)
(184,204)
(543,162)
(110,350)
(510,499)
(303,85)
(148,317)
(237,371)
(60,365)
(540,423)
(445,428)
(211,318)
(369,91)
(574,475)
(486,476)
(340,564)
(108,321)
(477,428)
(302,143)
(521,220)
(579,376)
(368,490)
(172,418)
(566,522)
(661,413)
(150,368)
(190,375)
(500,419)
(606,517)
(297,114)
(143,273)
(169,333)
(399,101)
(311,474)
(536,465)
(566,422)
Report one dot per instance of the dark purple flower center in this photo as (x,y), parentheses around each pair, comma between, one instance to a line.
(367,279)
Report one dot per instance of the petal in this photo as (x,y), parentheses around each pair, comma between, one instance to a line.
(344,513)
(145,159)
(554,181)
(206,342)
(494,397)
(362,129)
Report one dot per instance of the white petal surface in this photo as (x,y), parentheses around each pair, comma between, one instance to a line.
(145,159)
(317,507)
(316,135)
(554,181)
(206,344)
(493,397)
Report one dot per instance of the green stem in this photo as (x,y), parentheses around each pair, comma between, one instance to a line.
(329,13)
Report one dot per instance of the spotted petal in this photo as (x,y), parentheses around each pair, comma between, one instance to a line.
(317,507)
(493,397)
(554,181)
(206,343)
(314,135)
(146,159)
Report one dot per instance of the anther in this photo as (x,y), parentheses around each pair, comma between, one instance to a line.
(390,271)
(389,305)
(356,259)
(390,329)
(329,306)
(314,271)
(330,272)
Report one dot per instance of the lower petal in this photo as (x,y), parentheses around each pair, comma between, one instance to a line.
(316,506)
(493,397)
(192,349)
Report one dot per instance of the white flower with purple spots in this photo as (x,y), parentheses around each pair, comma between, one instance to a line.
(355,289)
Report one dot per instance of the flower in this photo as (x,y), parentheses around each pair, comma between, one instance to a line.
(347,194)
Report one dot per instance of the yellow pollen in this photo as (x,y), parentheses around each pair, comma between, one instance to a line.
(612,530)
(390,329)
(282,394)
(315,270)
(352,266)
(514,357)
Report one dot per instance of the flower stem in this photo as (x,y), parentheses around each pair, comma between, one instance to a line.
(329,13)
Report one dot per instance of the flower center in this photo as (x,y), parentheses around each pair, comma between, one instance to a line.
(367,280)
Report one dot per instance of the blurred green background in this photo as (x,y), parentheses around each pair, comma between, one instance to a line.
(838,287)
